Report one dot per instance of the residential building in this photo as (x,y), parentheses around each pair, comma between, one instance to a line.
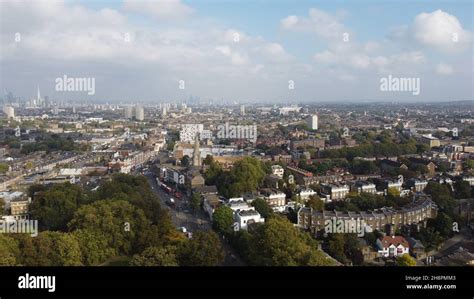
(392,246)
(417,185)
(335,192)
(275,198)
(362,186)
(246,217)
(304,192)
(139,113)
(313,122)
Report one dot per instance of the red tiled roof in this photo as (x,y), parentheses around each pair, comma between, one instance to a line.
(396,240)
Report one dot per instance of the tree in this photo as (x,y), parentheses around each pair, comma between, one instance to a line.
(68,250)
(393,192)
(262,207)
(335,247)
(121,224)
(136,191)
(50,249)
(462,189)
(315,203)
(2,206)
(55,207)
(278,243)
(9,251)
(223,219)
(246,175)
(185,161)
(94,247)
(443,224)
(352,249)
(4,167)
(441,195)
(469,164)
(196,201)
(208,160)
(362,167)
(156,256)
(204,249)
(406,260)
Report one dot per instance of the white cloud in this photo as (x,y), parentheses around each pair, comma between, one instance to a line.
(437,30)
(161,9)
(441,31)
(326,57)
(318,21)
(444,69)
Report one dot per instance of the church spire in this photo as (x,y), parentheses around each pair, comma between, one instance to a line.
(196,153)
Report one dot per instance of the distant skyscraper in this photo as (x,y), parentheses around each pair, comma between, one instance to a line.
(313,122)
(38,96)
(9,111)
(163,111)
(139,113)
(242,109)
(128,112)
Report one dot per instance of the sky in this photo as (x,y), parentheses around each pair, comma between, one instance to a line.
(238,51)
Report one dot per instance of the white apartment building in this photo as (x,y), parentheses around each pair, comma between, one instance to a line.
(313,122)
(128,112)
(366,187)
(139,113)
(9,111)
(335,192)
(394,184)
(189,132)
(305,193)
(246,217)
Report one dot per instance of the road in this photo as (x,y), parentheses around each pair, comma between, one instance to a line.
(181,215)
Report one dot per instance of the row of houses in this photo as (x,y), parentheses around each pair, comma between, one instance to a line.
(383,219)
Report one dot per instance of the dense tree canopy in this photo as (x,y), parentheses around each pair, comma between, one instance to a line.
(406,260)
(54,208)
(204,249)
(278,243)
(121,223)
(223,219)
(245,176)
(123,217)
(262,207)
(156,256)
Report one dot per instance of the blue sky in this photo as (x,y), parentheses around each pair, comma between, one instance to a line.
(280,40)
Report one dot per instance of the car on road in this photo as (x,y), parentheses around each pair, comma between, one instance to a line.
(170,202)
